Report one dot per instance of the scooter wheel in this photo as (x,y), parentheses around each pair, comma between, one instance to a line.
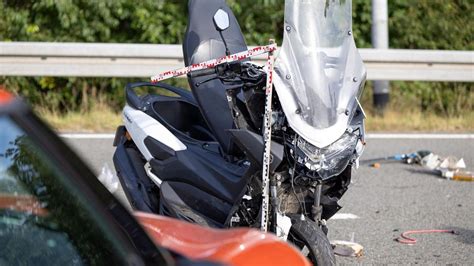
(311,240)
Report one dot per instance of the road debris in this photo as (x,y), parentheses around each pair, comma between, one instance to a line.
(375,165)
(108,178)
(404,239)
(409,158)
(347,248)
(449,167)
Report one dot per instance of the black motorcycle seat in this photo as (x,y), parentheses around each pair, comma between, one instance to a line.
(203,42)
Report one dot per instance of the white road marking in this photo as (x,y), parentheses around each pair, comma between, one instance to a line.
(369,136)
(419,136)
(87,136)
(344,216)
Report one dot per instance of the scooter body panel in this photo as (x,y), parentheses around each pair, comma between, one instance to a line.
(186,202)
(204,169)
(138,188)
(140,125)
(197,183)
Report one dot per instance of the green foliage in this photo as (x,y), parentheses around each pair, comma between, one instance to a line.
(362,22)
(121,21)
(260,20)
(434,24)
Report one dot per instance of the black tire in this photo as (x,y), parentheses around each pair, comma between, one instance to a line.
(308,234)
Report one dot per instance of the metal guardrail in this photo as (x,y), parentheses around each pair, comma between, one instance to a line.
(145,60)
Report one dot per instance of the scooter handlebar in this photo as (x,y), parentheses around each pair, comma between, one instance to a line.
(202,72)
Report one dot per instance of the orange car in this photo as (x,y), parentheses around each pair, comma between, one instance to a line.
(54,211)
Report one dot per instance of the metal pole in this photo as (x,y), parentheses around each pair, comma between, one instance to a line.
(380,41)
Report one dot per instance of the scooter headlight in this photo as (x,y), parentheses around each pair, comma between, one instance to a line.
(332,159)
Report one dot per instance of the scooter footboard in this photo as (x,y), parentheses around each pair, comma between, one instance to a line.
(142,194)
(186,202)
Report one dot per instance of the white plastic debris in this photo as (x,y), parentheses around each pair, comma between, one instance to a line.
(283,226)
(108,178)
(435,162)
(430,161)
(452,163)
(449,167)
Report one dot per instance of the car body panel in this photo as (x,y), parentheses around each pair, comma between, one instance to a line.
(239,246)
(157,234)
(5,97)
(22,203)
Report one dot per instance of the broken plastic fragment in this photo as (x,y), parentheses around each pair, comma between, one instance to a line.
(347,248)
(108,178)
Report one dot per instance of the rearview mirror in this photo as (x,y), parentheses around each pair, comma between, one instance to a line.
(221,19)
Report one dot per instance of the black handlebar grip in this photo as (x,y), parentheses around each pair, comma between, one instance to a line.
(202,72)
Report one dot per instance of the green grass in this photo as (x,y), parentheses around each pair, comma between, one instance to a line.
(407,111)
(104,119)
(416,121)
(99,119)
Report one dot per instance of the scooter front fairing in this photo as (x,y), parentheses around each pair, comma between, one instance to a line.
(320,73)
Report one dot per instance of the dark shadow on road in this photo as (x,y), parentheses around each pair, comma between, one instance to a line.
(425,172)
(463,235)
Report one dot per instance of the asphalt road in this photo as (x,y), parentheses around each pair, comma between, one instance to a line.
(387,201)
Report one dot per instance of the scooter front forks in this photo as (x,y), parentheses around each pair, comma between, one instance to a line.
(317,209)
(274,201)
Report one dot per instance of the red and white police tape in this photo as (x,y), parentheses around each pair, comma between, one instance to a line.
(214,62)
